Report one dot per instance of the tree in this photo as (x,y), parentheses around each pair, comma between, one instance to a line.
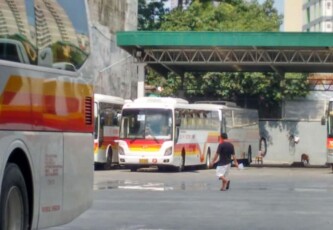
(150,16)
(232,15)
(264,89)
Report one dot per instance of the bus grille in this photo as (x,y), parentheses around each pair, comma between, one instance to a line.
(88,110)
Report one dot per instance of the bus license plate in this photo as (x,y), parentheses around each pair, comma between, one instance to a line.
(143,161)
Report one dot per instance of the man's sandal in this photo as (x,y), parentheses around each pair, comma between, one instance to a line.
(228,184)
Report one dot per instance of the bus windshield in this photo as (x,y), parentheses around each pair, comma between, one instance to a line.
(146,123)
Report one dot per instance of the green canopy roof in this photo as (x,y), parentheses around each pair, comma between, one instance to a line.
(230,51)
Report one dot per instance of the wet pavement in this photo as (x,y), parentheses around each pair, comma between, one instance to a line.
(259,198)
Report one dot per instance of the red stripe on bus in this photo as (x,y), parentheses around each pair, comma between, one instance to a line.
(28,109)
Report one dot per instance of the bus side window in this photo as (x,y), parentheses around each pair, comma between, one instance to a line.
(184,120)
(14,50)
(200,120)
(64,43)
(209,120)
(102,119)
(8,51)
(116,118)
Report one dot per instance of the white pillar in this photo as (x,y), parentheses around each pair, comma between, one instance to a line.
(141,79)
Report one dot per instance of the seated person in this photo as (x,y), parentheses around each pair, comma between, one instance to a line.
(166,131)
(148,133)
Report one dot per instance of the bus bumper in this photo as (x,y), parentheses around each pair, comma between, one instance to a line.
(330,158)
(130,160)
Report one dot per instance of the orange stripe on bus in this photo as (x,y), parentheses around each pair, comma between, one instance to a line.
(57,106)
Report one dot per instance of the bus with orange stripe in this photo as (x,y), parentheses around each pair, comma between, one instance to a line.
(170,132)
(46,113)
(329,140)
(107,117)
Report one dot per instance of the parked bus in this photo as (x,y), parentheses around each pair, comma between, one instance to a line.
(46,114)
(171,132)
(330,133)
(107,116)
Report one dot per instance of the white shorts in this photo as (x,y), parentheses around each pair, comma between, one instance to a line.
(223,170)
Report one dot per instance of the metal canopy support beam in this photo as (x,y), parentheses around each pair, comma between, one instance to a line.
(272,60)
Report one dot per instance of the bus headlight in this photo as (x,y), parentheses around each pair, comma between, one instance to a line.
(168,152)
(121,151)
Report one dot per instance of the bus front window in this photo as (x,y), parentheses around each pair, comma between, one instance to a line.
(146,123)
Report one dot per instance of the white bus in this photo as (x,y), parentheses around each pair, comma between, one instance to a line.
(107,116)
(46,114)
(171,132)
(329,140)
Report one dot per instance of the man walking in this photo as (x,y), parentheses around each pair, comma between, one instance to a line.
(225,151)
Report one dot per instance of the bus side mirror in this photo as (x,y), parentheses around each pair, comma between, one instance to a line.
(323,120)
(178,122)
(102,119)
(176,134)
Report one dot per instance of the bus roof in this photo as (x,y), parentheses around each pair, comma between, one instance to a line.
(210,106)
(163,100)
(109,99)
(156,102)
(170,103)
(227,103)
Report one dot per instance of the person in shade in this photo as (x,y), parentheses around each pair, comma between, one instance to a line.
(224,154)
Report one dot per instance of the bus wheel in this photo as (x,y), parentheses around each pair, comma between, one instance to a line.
(14,200)
(162,168)
(182,163)
(107,164)
(133,168)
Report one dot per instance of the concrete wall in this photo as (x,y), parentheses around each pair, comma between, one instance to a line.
(301,118)
(113,69)
(283,150)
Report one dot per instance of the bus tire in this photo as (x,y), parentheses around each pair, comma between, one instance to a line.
(14,204)
(108,163)
(162,168)
(133,168)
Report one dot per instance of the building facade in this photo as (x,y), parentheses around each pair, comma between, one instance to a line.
(317,15)
(113,68)
(293,16)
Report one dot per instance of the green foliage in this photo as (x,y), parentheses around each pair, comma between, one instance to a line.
(230,15)
(270,87)
(150,15)
(170,85)
(236,15)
